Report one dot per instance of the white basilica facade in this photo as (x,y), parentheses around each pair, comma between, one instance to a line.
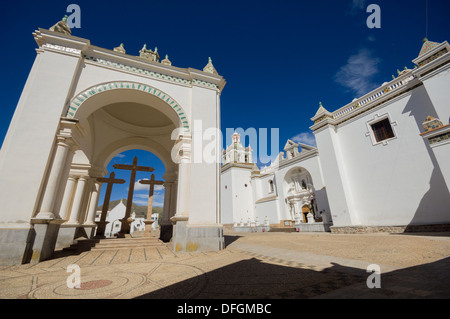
(382,162)
(80,107)
(289,193)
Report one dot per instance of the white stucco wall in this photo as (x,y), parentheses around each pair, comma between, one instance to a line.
(437,86)
(237,199)
(29,141)
(394,184)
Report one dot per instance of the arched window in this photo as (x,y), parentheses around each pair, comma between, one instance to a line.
(303,184)
(271,189)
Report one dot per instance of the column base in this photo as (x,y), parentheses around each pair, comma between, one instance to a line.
(46,234)
(165,232)
(125,228)
(66,236)
(101,227)
(148,228)
(16,240)
(190,238)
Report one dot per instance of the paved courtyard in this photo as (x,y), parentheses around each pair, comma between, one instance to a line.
(253,266)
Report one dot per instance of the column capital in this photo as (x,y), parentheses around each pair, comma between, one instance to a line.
(96,172)
(181,151)
(65,141)
(69,132)
(72,177)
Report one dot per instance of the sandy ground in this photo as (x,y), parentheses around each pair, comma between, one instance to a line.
(253,265)
(401,250)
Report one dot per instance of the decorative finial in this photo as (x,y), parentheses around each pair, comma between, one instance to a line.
(166,61)
(120,49)
(62,27)
(425,40)
(156,49)
(320,103)
(209,68)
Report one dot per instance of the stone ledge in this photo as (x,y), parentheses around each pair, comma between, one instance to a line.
(390,229)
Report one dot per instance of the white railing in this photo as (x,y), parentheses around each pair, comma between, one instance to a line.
(374,95)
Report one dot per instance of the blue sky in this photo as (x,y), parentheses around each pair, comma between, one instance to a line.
(279,58)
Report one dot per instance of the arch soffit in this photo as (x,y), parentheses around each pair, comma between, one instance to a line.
(130,143)
(77,102)
(293,170)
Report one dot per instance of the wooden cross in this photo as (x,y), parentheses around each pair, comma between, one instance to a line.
(110,181)
(125,229)
(152,184)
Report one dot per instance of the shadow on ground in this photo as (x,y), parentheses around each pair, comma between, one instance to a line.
(256,279)
(427,234)
(230,239)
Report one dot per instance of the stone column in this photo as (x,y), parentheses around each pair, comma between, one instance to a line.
(54,179)
(180,220)
(46,223)
(167,200)
(67,197)
(89,224)
(183,185)
(169,194)
(173,199)
(93,203)
(77,201)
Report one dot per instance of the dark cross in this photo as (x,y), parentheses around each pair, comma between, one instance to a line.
(110,181)
(125,229)
(152,184)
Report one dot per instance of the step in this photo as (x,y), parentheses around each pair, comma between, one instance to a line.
(115,243)
(126,247)
(282,229)
(128,240)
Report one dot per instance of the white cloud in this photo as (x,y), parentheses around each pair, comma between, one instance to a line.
(140,202)
(140,187)
(357,74)
(142,199)
(356,5)
(305,138)
(371,38)
(146,187)
(119,156)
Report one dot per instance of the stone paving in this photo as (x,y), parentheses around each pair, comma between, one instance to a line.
(253,266)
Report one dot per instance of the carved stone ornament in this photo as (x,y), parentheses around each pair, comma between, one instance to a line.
(209,68)
(120,49)
(166,61)
(149,54)
(62,27)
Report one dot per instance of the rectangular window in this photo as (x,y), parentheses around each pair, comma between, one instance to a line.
(382,130)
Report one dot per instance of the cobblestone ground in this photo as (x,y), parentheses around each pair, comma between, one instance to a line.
(253,266)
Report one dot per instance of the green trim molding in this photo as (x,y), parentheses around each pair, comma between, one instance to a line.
(82,97)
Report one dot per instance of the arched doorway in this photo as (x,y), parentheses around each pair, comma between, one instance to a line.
(79,109)
(300,194)
(112,119)
(305,212)
(145,201)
